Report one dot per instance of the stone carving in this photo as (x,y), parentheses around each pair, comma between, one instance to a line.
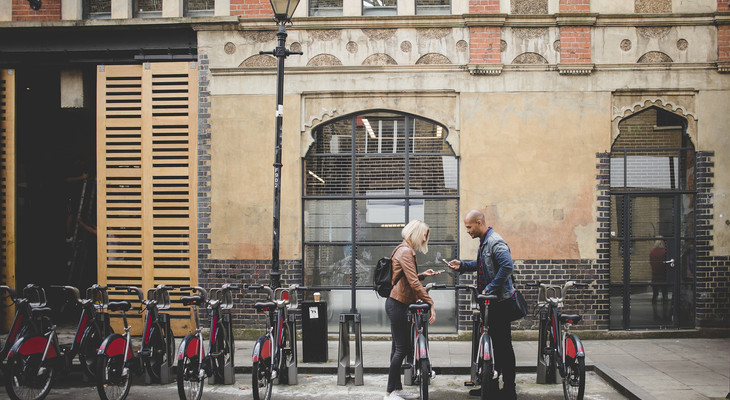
(653,32)
(502,46)
(529,7)
(529,58)
(433,58)
(462,46)
(379,34)
(406,46)
(351,47)
(556,46)
(229,48)
(259,60)
(258,36)
(625,45)
(379,59)
(433,33)
(682,44)
(323,60)
(652,6)
(296,46)
(325,35)
(654,57)
(530,33)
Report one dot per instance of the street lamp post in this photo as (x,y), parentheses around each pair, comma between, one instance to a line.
(283,10)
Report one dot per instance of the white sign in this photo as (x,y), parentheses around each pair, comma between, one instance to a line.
(313,313)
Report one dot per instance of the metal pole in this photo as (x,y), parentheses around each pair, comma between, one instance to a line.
(280,53)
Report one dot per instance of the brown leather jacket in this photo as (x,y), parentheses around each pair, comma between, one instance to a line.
(409,288)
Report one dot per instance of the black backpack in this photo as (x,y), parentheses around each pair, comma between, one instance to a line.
(383,276)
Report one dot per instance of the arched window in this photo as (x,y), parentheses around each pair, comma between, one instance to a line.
(652,258)
(365,176)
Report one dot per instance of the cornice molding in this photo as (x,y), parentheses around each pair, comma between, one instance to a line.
(723,67)
(485,69)
(575,68)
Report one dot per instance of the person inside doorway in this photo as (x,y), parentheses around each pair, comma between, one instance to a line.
(657,260)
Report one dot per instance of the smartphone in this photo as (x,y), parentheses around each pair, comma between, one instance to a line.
(444,260)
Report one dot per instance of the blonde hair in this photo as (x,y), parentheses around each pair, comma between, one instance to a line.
(414,232)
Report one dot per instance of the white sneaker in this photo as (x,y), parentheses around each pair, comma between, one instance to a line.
(407,395)
(393,396)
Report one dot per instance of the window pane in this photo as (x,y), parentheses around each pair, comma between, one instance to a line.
(442,217)
(434,175)
(617,216)
(380,133)
(325,8)
(200,7)
(379,174)
(617,261)
(327,265)
(652,217)
(149,7)
(645,169)
(328,175)
(433,7)
(379,7)
(328,220)
(380,219)
(427,137)
(333,138)
(98,8)
(616,318)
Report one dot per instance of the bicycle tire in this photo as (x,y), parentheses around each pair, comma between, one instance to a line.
(490,386)
(223,348)
(286,354)
(159,353)
(90,342)
(112,382)
(574,382)
(189,382)
(425,379)
(545,342)
(23,382)
(261,379)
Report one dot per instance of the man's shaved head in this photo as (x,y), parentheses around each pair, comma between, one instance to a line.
(474,216)
(475,223)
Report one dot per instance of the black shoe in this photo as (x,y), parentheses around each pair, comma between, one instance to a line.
(508,392)
(475,392)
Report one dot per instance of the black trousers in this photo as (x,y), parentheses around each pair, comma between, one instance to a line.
(500,330)
(401,346)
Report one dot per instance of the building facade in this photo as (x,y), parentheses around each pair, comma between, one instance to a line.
(592,134)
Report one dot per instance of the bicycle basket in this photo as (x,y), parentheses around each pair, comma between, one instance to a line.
(36,295)
(548,291)
(98,296)
(225,297)
(161,297)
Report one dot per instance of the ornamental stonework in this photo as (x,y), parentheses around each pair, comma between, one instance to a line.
(296,46)
(379,34)
(406,46)
(531,7)
(229,48)
(351,47)
(433,33)
(625,45)
(258,36)
(323,60)
(682,44)
(259,60)
(502,46)
(556,46)
(379,59)
(529,58)
(325,35)
(652,6)
(654,57)
(653,32)
(530,33)
(433,59)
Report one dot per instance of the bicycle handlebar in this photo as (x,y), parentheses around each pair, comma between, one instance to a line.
(74,291)
(11,291)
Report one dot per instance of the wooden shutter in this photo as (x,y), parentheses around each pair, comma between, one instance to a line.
(146,163)
(7,190)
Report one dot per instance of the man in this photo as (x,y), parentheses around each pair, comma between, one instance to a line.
(494,267)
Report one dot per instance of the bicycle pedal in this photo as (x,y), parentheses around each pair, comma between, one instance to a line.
(469,384)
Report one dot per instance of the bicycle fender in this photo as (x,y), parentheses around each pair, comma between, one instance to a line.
(573,346)
(262,348)
(189,347)
(422,347)
(32,345)
(113,345)
(485,347)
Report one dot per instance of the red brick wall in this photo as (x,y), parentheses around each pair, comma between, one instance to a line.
(50,11)
(252,8)
(723,5)
(575,44)
(485,45)
(723,42)
(575,6)
(483,6)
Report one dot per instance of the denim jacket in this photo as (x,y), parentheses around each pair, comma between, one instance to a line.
(491,278)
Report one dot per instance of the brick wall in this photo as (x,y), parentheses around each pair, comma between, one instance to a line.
(575,44)
(50,11)
(484,46)
(483,6)
(575,6)
(723,43)
(723,5)
(251,8)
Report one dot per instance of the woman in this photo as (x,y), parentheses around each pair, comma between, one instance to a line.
(407,290)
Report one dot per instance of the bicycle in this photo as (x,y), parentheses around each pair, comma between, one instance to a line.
(419,370)
(193,365)
(557,348)
(482,366)
(116,360)
(30,315)
(274,354)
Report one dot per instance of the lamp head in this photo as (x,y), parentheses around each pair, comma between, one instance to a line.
(283,9)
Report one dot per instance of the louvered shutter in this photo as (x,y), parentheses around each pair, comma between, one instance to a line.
(7,191)
(146,163)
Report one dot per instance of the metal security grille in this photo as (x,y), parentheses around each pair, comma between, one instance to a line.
(7,190)
(146,146)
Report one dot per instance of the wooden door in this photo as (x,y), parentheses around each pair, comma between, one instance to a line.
(7,191)
(146,177)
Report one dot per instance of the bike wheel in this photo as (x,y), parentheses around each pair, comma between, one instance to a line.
(159,353)
(87,351)
(222,347)
(425,379)
(262,384)
(112,381)
(23,381)
(544,356)
(189,382)
(574,383)
(490,387)
(287,355)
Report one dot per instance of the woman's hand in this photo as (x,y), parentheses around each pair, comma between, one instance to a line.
(432,318)
(430,272)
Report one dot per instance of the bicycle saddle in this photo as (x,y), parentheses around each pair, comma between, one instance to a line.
(119,306)
(421,306)
(486,297)
(192,300)
(572,318)
(264,304)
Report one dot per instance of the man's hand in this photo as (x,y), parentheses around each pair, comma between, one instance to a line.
(453,264)
(432,318)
